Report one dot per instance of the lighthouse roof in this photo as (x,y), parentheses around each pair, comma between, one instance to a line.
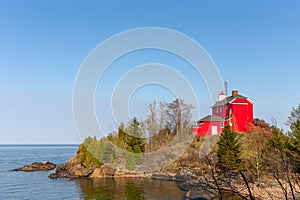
(228,100)
(212,118)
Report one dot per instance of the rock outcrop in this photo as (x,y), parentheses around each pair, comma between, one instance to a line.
(102,172)
(71,169)
(186,176)
(37,166)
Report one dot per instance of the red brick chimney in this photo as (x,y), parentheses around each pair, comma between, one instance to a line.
(235,93)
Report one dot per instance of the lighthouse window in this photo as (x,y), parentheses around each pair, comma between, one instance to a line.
(222,124)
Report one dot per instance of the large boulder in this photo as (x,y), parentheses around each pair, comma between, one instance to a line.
(72,169)
(185,174)
(37,166)
(198,195)
(194,190)
(102,172)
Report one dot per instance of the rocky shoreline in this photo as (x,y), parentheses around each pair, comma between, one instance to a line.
(187,178)
(195,186)
(184,176)
(73,169)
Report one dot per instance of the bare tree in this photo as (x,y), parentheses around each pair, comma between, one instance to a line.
(151,123)
(179,115)
(294,116)
(162,112)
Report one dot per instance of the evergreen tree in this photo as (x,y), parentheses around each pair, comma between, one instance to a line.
(228,151)
(121,132)
(135,142)
(294,143)
(294,123)
(122,137)
(106,152)
(295,133)
(87,152)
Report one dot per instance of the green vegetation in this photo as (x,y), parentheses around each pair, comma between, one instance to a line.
(131,160)
(132,140)
(85,153)
(228,150)
(136,141)
(164,121)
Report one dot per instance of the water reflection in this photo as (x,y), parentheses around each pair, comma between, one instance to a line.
(128,188)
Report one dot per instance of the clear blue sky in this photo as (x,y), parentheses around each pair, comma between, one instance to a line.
(255,44)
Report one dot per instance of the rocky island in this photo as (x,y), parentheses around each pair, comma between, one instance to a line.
(37,166)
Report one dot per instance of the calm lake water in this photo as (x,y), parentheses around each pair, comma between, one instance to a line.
(37,185)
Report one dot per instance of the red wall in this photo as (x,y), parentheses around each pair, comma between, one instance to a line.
(205,128)
(242,111)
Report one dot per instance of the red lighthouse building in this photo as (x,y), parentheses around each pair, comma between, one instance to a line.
(235,110)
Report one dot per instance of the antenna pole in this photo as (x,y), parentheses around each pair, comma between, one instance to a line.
(226,87)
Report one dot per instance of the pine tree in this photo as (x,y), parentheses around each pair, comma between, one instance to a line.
(136,142)
(122,136)
(228,151)
(294,144)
